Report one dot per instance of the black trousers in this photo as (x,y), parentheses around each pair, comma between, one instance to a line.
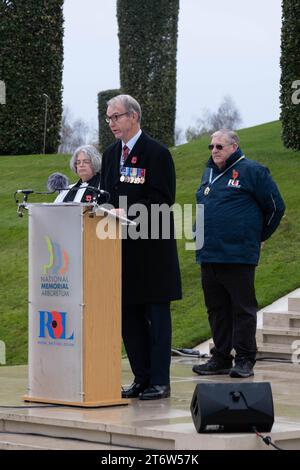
(229,294)
(147,336)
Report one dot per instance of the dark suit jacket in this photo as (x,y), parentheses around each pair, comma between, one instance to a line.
(150,267)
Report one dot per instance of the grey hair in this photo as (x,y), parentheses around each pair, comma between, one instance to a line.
(92,153)
(129,103)
(231,136)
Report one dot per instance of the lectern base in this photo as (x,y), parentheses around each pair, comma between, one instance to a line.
(88,404)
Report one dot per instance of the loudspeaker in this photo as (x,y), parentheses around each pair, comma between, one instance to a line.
(233,407)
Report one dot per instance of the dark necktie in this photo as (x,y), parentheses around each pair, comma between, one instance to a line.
(125,153)
(124,156)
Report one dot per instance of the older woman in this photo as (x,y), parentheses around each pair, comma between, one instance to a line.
(86,163)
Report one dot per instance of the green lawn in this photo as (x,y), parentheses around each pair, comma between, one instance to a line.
(277,274)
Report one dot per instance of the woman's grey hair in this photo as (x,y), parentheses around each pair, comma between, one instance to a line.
(231,136)
(129,103)
(92,153)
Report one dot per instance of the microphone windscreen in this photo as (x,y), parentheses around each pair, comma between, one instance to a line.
(57,181)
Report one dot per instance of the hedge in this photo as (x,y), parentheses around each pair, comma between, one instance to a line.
(106,137)
(148,50)
(290,73)
(31,64)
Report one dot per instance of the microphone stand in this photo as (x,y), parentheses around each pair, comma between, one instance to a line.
(21,209)
(22,206)
(93,189)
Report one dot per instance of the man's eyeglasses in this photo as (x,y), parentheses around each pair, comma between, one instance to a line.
(218,146)
(114,117)
(82,162)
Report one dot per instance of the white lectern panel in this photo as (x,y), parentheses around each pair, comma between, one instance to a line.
(55,301)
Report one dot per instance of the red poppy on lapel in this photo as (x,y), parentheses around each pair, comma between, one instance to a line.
(235,174)
(88,198)
(134,160)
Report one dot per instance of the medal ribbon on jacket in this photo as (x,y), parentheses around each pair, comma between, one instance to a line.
(212,181)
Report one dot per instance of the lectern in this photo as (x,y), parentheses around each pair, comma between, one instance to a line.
(74,306)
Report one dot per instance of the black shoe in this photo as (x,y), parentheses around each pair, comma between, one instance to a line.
(243,368)
(214,366)
(134,390)
(155,392)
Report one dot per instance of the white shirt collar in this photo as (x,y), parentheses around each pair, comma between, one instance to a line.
(131,143)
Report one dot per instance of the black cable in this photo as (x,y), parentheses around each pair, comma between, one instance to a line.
(196,354)
(189,353)
(266,439)
(92,189)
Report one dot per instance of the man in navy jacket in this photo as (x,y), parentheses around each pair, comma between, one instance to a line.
(242,208)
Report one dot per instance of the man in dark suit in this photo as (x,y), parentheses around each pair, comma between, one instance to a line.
(139,170)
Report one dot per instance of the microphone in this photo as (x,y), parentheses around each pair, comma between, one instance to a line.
(97,190)
(57,182)
(25,191)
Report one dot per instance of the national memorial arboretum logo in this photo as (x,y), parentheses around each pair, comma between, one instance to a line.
(54,281)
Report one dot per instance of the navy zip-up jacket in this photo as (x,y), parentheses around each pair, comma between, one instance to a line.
(242,208)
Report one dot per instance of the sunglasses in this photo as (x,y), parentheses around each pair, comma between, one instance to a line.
(218,146)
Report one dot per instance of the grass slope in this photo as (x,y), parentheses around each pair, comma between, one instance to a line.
(277,273)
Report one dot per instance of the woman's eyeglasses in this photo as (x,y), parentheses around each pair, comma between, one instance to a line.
(82,162)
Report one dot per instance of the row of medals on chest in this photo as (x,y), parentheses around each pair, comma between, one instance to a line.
(132,179)
(132,175)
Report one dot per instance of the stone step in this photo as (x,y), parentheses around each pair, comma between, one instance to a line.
(287,319)
(278,336)
(294,303)
(20,441)
(275,351)
(78,430)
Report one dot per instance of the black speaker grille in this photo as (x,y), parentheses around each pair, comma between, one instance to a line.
(233,407)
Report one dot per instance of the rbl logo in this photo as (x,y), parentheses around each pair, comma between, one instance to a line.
(234,182)
(55,323)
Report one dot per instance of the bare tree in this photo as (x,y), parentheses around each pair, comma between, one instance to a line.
(75,133)
(227,116)
(178,136)
(80,133)
(201,127)
(66,132)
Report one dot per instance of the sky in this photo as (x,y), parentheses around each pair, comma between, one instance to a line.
(227,47)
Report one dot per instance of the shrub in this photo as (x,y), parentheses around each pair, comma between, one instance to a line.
(290,73)
(106,137)
(31,63)
(148,49)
